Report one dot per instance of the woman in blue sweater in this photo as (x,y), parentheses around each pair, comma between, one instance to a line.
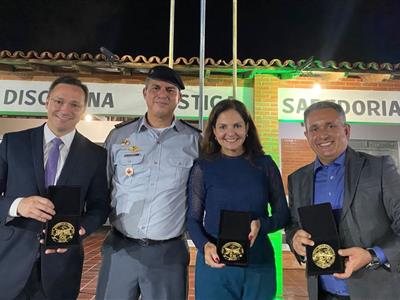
(234,174)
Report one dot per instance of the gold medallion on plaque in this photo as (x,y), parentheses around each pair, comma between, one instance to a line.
(62,232)
(323,256)
(232,251)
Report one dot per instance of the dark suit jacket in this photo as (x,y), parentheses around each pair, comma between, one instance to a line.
(22,175)
(370,217)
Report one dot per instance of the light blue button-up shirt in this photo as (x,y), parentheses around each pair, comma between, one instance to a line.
(148,173)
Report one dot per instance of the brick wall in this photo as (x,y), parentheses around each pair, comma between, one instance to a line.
(295,154)
(266,113)
(266,120)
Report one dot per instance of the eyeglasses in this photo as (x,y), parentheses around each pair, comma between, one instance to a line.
(74,106)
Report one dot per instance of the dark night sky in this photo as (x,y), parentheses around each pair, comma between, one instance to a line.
(341,30)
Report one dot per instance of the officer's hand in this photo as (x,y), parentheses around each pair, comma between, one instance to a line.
(36,207)
(356,258)
(211,257)
(301,239)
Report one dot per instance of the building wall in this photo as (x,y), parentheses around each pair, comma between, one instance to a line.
(289,153)
(96,130)
(294,153)
(266,120)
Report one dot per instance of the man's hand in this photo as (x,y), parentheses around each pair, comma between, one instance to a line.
(356,258)
(300,239)
(254,229)
(36,207)
(82,231)
(211,257)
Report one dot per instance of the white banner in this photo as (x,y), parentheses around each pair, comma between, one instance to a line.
(359,106)
(19,96)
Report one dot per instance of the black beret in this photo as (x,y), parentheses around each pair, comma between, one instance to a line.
(164,73)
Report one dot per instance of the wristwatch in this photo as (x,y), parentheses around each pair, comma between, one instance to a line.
(375,262)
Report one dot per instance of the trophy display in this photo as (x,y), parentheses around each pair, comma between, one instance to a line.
(233,243)
(62,231)
(322,258)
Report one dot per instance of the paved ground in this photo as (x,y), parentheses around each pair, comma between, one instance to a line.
(294,285)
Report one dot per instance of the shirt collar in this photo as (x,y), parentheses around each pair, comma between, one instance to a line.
(339,161)
(145,125)
(49,136)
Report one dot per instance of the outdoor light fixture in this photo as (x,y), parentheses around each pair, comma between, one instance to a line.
(316,88)
(111,57)
(88,118)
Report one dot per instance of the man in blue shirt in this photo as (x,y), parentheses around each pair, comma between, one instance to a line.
(364,192)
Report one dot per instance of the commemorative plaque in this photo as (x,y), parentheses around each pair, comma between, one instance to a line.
(323,257)
(233,243)
(62,231)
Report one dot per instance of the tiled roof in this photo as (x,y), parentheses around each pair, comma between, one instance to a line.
(19,59)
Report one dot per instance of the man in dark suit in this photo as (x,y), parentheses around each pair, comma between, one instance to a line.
(27,269)
(364,192)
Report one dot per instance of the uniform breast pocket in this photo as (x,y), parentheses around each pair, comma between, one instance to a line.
(132,169)
(182,168)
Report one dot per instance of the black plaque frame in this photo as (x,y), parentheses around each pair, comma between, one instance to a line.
(233,243)
(318,220)
(62,231)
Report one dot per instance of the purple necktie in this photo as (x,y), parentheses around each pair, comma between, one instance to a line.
(50,170)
